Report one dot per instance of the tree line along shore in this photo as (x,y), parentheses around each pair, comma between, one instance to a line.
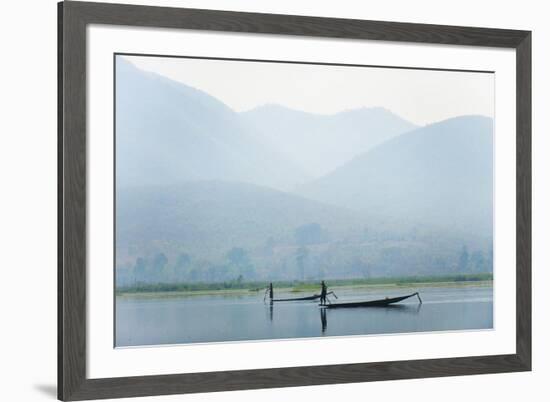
(302,286)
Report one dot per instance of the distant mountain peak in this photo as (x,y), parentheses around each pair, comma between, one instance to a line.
(168,132)
(125,69)
(440,174)
(321,142)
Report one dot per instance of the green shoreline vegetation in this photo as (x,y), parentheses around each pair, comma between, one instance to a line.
(240,287)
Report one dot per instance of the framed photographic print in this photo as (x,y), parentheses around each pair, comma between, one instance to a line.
(255,200)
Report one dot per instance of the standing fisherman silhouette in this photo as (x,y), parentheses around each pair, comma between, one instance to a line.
(270,291)
(323,293)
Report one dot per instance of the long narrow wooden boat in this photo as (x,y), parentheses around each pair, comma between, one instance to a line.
(373,303)
(314,297)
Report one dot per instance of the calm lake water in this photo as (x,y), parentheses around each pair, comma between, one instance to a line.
(216,318)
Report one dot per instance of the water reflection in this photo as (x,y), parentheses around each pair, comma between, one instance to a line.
(403,308)
(397,308)
(323,320)
(213,318)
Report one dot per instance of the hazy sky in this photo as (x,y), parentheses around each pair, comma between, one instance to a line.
(419,96)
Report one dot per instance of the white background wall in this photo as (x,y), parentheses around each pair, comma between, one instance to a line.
(28,199)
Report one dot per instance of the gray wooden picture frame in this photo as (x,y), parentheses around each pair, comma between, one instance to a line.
(73,18)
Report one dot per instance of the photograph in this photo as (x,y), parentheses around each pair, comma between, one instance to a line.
(243,201)
(259,200)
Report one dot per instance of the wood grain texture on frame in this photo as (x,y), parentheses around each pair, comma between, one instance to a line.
(73,18)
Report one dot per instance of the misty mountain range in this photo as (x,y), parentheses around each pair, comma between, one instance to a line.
(168,132)
(197,178)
